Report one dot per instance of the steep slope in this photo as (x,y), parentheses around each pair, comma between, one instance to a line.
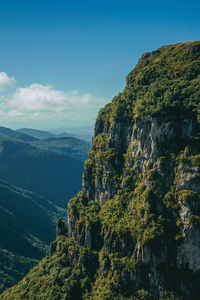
(76,148)
(47,173)
(13,268)
(134,229)
(27,225)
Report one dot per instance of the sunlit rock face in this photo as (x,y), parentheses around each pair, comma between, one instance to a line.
(134,229)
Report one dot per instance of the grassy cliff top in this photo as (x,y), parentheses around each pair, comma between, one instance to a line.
(164,83)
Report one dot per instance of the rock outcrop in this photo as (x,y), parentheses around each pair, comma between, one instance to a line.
(60,228)
(134,229)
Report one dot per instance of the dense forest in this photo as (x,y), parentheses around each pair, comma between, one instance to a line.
(134,228)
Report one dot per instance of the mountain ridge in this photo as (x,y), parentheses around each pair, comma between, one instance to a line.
(16,135)
(71,146)
(49,176)
(80,133)
(28,226)
(38,134)
(134,229)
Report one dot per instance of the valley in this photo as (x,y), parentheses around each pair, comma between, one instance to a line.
(37,179)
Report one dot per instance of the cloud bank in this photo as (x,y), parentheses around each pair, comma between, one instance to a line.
(44,102)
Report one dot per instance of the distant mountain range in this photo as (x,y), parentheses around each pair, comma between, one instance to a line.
(53,175)
(38,134)
(83,133)
(16,134)
(134,229)
(74,147)
(62,143)
(34,168)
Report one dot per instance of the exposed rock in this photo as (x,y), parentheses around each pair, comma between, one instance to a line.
(60,228)
(53,248)
(134,229)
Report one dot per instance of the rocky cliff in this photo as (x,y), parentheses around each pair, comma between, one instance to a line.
(134,229)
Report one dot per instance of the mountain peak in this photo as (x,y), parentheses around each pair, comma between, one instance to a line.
(134,229)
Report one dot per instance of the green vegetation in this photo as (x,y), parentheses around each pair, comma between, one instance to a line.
(127,225)
(28,221)
(50,174)
(55,277)
(27,226)
(164,84)
(71,146)
(16,135)
(14,267)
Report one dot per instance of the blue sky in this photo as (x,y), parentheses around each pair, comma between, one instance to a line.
(62,60)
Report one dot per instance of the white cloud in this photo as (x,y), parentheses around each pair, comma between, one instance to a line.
(43,102)
(39,97)
(6,81)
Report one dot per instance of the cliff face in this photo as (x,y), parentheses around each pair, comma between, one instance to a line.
(158,194)
(134,229)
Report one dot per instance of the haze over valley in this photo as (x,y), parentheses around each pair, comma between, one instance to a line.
(39,173)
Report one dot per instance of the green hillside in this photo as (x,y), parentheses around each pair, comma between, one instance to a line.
(16,135)
(134,229)
(27,226)
(47,173)
(164,83)
(71,146)
(13,268)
